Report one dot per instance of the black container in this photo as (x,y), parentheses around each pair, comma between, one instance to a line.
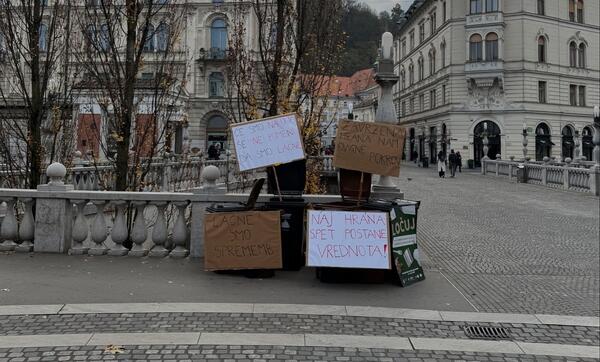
(292,226)
(291,177)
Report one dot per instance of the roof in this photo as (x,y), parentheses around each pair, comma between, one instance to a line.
(348,86)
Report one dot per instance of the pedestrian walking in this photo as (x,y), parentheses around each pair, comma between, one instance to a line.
(442,164)
(459,161)
(452,159)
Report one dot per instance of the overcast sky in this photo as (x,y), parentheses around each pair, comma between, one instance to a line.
(382,5)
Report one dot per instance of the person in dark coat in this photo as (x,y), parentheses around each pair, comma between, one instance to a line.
(453,163)
(459,161)
(213,153)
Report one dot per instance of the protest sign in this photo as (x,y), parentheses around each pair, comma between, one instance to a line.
(405,252)
(369,147)
(242,240)
(348,239)
(267,142)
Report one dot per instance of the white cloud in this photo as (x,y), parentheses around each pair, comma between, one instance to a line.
(382,5)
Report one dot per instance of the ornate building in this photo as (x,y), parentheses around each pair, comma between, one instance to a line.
(466,66)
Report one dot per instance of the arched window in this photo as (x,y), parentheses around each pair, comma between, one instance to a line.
(491,47)
(543,142)
(443,54)
(411,74)
(587,146)
(494,141)
(542,49)
(149,42)
(581,56)
(475,49)
(216,134)
(431,62)
(43,41)
(218,37)
(572,10)
(162,37)
(580,11)
(216,85)
(421,69)
(572,54)
(568,146)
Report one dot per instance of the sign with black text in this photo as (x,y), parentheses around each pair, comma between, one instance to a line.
(405,253)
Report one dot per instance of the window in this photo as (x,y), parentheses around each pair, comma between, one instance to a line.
(582,96)
(572,54)
(491,6)
(573,94)
(444,15)
(475,50)
(104,37)
(581,55)
(421,32)
(149,43)
(162,37)
(402,79)
(421,69)
(217,2)
(216,88)
(580,11)
(476,6)
(412,39)
(218,39)
(411,74)
(412,104)
(572,10)
(443,94)
(443,54)
(541,49)
(43,41)
(433,22)
(541,7)
(432,62)
(403,48)
(404,108)
(421,102)
(491,47)
(542,92)
(432,98)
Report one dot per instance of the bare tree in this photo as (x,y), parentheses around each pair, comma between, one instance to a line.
(289,66)
(133,62)
(35,92)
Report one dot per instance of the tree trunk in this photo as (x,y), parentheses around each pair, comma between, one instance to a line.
(36,112)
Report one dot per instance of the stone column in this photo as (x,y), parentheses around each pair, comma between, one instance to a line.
(210,175)
(54,219)
(386,112)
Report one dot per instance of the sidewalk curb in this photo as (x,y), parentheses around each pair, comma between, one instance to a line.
(299,309)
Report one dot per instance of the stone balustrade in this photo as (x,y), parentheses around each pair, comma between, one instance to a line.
(156,224)
(567,175)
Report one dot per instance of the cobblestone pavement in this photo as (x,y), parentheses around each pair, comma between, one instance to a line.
(183,353)
(282,323)
(509,247)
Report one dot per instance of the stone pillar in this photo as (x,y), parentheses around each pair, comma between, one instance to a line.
(54,216)
(386,112)
(210,175)
(595,170)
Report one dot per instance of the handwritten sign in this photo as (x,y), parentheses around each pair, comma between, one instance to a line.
(267,142)
(242,240)
(348,239)
(369,147)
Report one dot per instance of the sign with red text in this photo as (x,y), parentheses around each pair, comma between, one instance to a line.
(345,239)
(242,240)
(267,142)
(369,147)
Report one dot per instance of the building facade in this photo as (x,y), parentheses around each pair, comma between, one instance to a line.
(496,66)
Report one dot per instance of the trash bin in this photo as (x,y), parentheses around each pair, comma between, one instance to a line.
(521,174)
(292,225)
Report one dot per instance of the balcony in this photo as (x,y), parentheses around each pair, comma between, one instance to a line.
(484,66)
(484,74)
(213,54)
(484,19)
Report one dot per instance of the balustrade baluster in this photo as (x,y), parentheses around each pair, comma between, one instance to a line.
(99,230)
(27,227)
(159,232)
(119,232)
(80,229)
(180,232)
(8,229)
(139,232)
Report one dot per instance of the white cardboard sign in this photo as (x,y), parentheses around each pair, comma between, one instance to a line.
(267,142)
(344,239)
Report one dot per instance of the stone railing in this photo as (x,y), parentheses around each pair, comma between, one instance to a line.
(73,221)
(567,176)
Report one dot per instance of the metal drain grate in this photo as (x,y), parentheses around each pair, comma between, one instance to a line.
(479,332)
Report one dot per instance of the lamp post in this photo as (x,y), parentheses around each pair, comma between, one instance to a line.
(596,139)
(485,141)
(386,112)
(524,142)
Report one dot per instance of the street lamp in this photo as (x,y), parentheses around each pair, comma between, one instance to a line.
(524,142)
(596,139)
